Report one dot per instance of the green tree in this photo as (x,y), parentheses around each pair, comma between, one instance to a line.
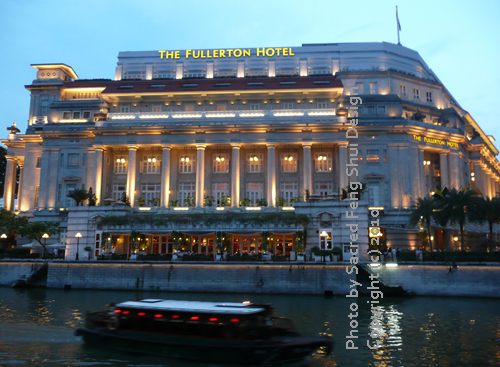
(454,207)
(10,224)
(125,199)
(35,231)
(79,196)
(92,198)
(425,208)
(486,210)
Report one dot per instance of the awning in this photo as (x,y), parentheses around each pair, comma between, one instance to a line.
(32,245)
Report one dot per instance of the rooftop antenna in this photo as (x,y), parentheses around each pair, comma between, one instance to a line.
(398,25)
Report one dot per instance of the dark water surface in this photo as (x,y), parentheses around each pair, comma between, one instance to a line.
(37,326)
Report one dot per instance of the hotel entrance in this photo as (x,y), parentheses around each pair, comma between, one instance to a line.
(203,244)
(284,244)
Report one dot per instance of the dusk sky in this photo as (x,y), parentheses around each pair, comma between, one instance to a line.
(457,39)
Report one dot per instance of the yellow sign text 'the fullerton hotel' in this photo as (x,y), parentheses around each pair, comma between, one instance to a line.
(230,52)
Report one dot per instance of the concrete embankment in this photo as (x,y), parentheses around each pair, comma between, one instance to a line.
(426,280)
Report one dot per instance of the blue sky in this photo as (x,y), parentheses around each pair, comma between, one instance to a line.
(457,39)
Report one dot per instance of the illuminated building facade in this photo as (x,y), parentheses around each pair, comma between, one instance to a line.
(242,129)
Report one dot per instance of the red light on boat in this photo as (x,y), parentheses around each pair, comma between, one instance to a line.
(126,312)
(158,315)
(141,314)
(175,316)
(118,311)
(194,318)
(213,319)
(235,320)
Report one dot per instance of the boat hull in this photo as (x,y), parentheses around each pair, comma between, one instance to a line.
(231,351)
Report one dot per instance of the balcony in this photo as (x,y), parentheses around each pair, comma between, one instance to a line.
(220,117)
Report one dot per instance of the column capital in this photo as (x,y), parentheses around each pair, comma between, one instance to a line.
(132,147)
(271,146)
(343,144)
(200,147)
(10,158)
(306,145)
(99,147)
(166,147)
(235,146)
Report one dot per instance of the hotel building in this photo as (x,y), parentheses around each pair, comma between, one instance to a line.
(245,130)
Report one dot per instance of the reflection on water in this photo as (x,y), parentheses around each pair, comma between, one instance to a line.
(37,325)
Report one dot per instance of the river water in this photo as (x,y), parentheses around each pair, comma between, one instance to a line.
(37,326)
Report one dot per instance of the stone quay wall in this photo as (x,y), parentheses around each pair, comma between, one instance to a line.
(265,278)
(11,271)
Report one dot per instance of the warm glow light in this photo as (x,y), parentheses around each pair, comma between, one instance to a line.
(126,312)
(391,265)
(141,314)
(375,265)
(213,319)
(195,318)
(123,117)
(253,208)
(73,120)
(252,114)
(144,208)
(190,116)
(331,113)
(432,238)
(162,116)
(181,208)
(246,302)
(288,114)
(455,239)
(123,160)
(4,236)
(288,208)
(212,115)
(220,208)
(158,316)
(323,234)
(118,311)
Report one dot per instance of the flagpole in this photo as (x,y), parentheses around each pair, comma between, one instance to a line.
(397,25)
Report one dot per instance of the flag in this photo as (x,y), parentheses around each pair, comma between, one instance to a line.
(397,19)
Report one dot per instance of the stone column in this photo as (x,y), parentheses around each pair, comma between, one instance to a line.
(235,176)
(488,183)
(443,165)
(271,176)
(165,176)
(307,167)
(415,168)
(423,187)
(454,169)
(342,166)
(477,176)
(52,178)
(99,153)
(44,178)
(19,190)
(396,191)
(10,184)
(200,175)
(131,174)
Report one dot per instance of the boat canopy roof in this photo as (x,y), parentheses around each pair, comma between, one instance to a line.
(193,306)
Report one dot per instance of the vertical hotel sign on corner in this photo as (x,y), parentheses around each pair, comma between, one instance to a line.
(228,52)
(425,139)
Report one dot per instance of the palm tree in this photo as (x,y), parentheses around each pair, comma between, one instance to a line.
(425,208)
(455,206)
(78,195)
(486,210)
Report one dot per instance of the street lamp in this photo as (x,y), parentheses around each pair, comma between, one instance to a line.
(45,236)
(3,236)
(78,236)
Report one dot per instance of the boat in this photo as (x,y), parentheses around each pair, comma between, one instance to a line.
(234,333)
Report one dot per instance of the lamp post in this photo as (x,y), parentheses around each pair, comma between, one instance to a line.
(45,236)
(3,236)
(78,236)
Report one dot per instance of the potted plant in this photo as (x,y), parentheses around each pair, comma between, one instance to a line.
(89,250)
(209,201)
(189,201)
(225,201)
(280,202)
(155,202)
(262,202)
(173,203)
(141,202)
(245,202)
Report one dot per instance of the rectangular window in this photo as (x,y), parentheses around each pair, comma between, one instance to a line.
(86,114)
(370,110)
(373,87)
(254,106)
(73,159)
(380,110)
(221,163)
(325,239)
(321,104)
(151,193)
(219,190)
(323,162)
(221,107)
(373,193)
(186,163)
(125,108)
(119,190)
(288,105)
(416,93)
(255,192)
(255,162)
(84,160)
(120,164)
(35,201)
(59,193)
(402,90)
(76,115)
(429,96)
(38,162)
(186,190)
(289,191)
(150,164)
(156,107)
(288,162)
(360,88)
(372,156)
(323,188)
(70,187)
(44,108)
(66,115)
(189,107)
(61,160)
